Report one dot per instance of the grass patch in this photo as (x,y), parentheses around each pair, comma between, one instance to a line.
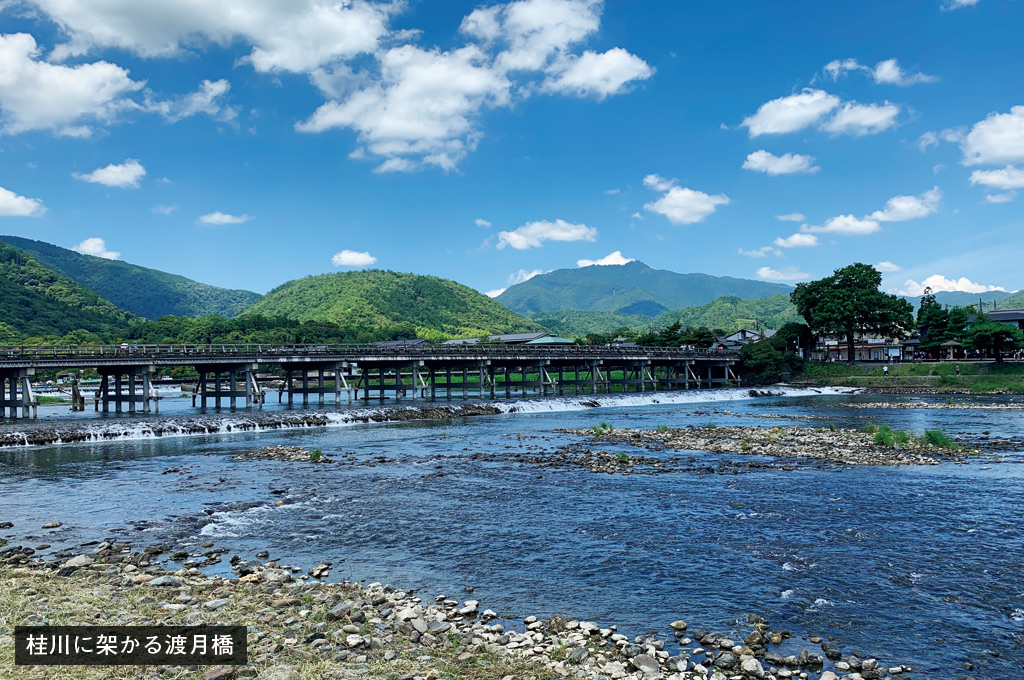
(939,439)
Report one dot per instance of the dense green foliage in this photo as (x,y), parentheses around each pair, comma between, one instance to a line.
(141,291)
(675,335)
(768,361)
(629,288)
(256,328)
(35,301)
(992,337)
(573,323)
(848,304)
(433,308)
(727,313)
(732,313)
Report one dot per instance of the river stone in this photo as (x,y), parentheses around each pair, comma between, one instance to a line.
(53,525)
(280,672)
(678,625)
(726,660)
(419,625)
(219,673)
(353,640)
(615,670)
(829,675)
(276,576)
(80,561)
(165,581)
(216,604)
(579,655)
(753,668)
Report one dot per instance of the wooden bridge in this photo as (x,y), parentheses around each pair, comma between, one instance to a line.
(230,372)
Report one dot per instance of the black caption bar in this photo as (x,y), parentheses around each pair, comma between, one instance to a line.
(129,645)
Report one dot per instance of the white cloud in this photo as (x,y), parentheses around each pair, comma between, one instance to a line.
(792,113)
(997,139)
(352,258)
(887,267)
(610,259)
(685,206)
(788,274)
(1006,178)
(939,283)
(1005,197)
(886,72)
(927,140)
(786,164)
(799,240)
(421,107)
(791,217)
(533,234)
(537,31)
(658,183)
(164,209)
(902,208)
(481,222)
(862,119)
(495,293)
(889,72)
(295,36)
(13,205)
(96,247)
(207,99)
(957,4)
(838,68)
(124,176)
(37,95)
(523,275)
(597,75)
(848,225)
(761,252)
(219,218)
(613,192)
(424,107)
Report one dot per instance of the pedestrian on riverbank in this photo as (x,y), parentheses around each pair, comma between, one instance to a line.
(885,370)
(958,370)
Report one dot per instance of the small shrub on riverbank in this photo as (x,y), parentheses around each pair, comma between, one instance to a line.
(662,428)
(939,439)
(871,428)
(315,455)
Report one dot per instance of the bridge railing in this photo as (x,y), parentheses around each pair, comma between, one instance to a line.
(269,351)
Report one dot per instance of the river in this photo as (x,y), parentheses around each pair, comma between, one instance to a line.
(914,565)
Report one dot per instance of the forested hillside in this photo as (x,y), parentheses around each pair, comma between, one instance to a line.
(35,301)
(139,290)
(429,306)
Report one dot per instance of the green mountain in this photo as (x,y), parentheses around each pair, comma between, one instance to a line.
(632,288)
(433,307)
(141,291)
(732,313)
(35,301)
(572,323)
(958,299)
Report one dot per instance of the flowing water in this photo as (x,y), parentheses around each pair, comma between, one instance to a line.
(914,565)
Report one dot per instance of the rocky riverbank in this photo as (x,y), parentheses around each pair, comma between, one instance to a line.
(302,628)
(835,446)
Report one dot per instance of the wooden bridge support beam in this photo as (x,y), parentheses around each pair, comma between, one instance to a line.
(10,400)
(126,392)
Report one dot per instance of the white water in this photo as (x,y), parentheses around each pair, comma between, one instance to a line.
(233,424)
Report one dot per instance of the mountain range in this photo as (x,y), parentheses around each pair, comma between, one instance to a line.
(143,292)
(632,288)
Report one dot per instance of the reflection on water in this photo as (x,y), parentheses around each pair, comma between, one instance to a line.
(916,565)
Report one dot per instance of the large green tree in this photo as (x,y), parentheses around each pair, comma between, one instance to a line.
(848,304)
(993,336)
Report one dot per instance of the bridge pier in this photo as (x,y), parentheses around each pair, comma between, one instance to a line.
(10,401)
(321,369)
(250,390)
(121,394)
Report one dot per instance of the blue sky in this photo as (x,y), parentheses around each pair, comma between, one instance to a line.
(248,143)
